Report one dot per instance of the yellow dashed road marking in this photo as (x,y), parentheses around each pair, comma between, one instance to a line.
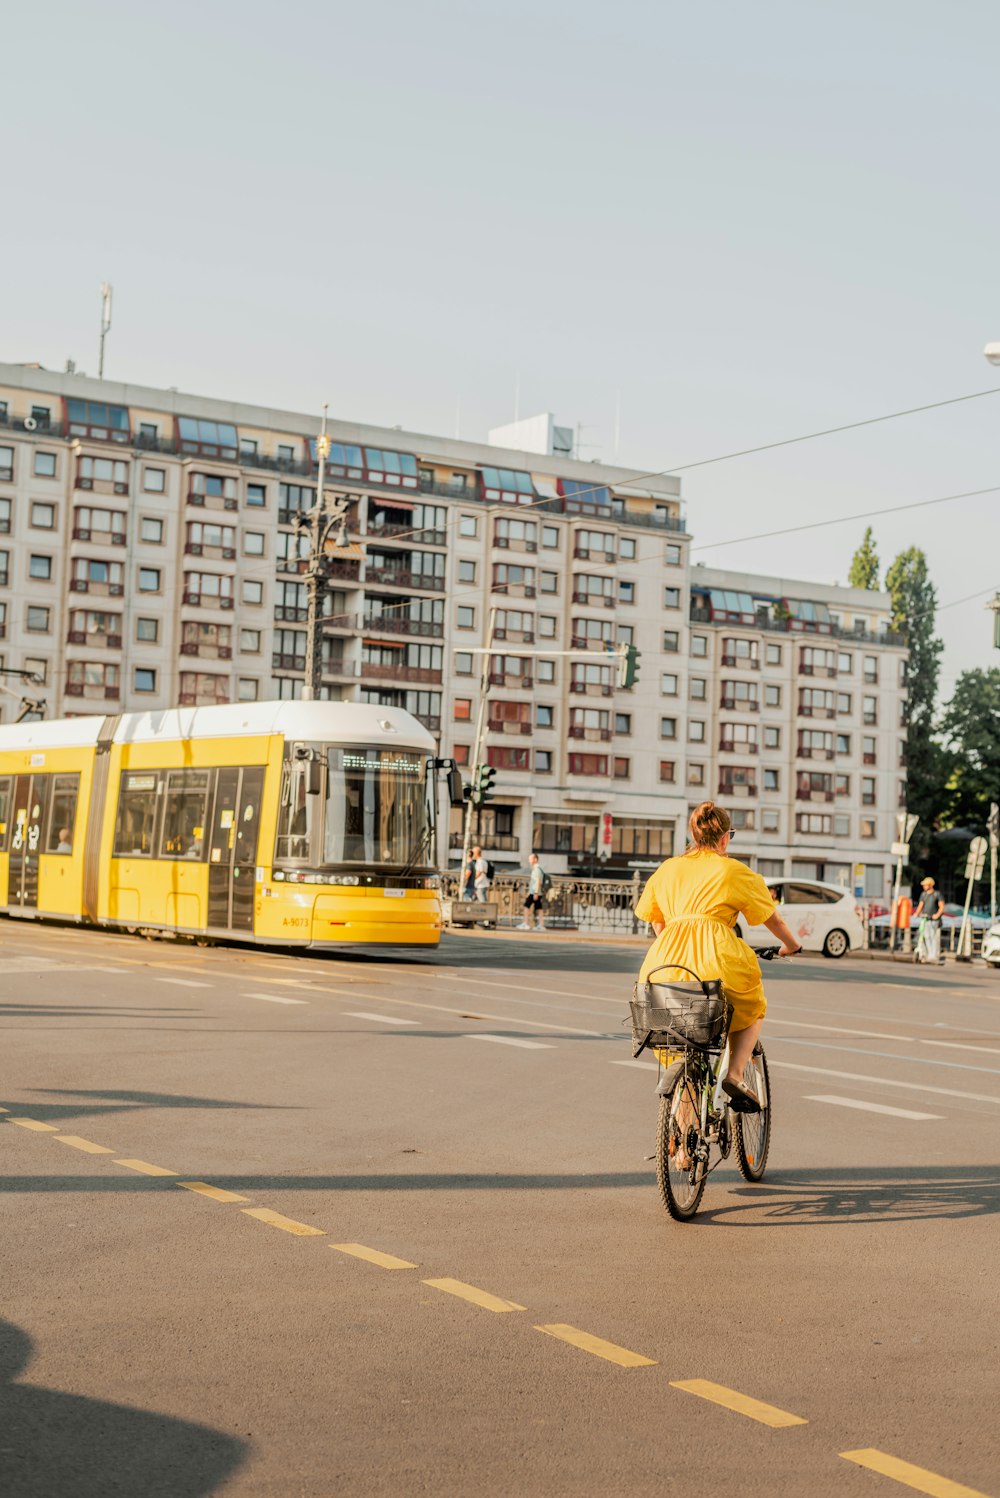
(913,1477)
(287,1224)
(373,1256)
(597,1345)
(33,1123)
(474,1294)
(732,1399)
(215,1193)
(145,1168)
(87,1145)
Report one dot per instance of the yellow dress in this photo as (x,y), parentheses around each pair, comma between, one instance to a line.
(698,897)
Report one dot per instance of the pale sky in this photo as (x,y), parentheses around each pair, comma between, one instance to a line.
(739,221)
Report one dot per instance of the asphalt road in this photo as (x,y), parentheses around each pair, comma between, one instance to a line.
(290,1226)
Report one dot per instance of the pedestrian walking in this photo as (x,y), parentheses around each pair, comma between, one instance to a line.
(469,879)
(481,869)
(930,909)
(539,884)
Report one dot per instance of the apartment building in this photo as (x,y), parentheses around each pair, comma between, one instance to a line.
(151,552)
(797,722)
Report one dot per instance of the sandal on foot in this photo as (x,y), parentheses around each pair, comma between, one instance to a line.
(740,1100)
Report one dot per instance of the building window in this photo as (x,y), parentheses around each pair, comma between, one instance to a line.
(623,722)
(772,738)
(38,668)
(257,496)
(286,452)
(588,764)
(871,670)
(626,591)
(543,761)
(43,516)
(508,759)
(550,537)
(696,775)
(151,529)
(248,447)
(771,780)
(696,731)
(845,663)
(250,641)
(149,579)
(546,671)
(468,525)
(841,826)
(253,543)
(626,548)
(671,641)
(699,644)
(626,634)
(37,620)
(45,465)
(671,598)
(770,821)
(148,630)
(462,710)
(667,771)
(668,728)
(42,417)
(869,711)
(672,555)
(547,625)
(544,716)
(6,463)
(772,696)
(466,617)
(698,689)
(247,689)
(154,480)
(145,679)
(463,663)
(868,751)
(548,582)
(466,572)
(772,655)
(253,592)
(668,684)
(40,568)
(620,768)
(867,827)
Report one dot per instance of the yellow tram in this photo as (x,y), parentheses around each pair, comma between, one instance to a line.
(309,824)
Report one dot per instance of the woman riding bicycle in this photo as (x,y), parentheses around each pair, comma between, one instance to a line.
(692,902)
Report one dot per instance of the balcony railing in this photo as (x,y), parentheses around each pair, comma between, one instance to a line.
(701,615)
(381,672)
(806,751)
(806,710)
(94,638)
(280,662)
(593,735)
(196,549)
(526,636)
(113,538)
(802,794)
(742,662)
(84,585)
(508,725)
(398,624)
(732,788)
(737,746)
(505,543)
(402,577)
(592,688)
(206,601)
(586,554)
(206,650)
(421,535)
(213,501)
(594,600)
(740,704)
(512,682)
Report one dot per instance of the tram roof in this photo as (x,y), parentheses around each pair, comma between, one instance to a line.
(324,722)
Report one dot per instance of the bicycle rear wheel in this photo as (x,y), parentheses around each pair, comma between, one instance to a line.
(753,1130)
(681,1156)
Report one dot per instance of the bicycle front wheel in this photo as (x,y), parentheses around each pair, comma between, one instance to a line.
(753,1130)
(681,1156)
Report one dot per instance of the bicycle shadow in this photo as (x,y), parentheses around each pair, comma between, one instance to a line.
(859,1195)
(73,1446)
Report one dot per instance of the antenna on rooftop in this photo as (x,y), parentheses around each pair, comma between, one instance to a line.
(105,325)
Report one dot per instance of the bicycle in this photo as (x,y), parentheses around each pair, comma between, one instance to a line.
(690,1023)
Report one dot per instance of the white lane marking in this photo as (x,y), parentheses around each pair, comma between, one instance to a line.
(851,1102)
(273,998)
(956,1045)
(853,1050)
(180,982)
(381,1019)
(801,1024)
(501,1019)
(854,1076)
(527,1045)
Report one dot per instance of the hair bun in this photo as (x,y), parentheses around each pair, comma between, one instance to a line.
(708,825)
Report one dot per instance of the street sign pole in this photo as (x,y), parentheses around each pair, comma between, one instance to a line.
(477,748)
(993,825)
(973,871)
(905,826)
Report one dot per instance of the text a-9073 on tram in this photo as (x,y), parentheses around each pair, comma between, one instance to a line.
(309,824)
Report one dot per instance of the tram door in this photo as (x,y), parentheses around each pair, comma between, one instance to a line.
(27,816)
(233,847)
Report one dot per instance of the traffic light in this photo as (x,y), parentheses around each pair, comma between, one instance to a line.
(628,665)
(483,790)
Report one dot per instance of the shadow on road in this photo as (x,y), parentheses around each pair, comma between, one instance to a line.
(55,1445)
(802,1198)
(116,1103)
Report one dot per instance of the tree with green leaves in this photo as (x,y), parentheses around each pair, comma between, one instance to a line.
(865,564)
(914,605)
(971,728)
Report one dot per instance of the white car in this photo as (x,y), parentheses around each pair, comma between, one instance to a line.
(991,946)
(823,917)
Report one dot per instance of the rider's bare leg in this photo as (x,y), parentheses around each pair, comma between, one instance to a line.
(741,1046)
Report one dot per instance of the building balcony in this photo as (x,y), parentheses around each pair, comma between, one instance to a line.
(281,662)
(594,600)
(586,554)
(206,601)
(286,614)
(213,501)
(828,672)
(94,693)
(592,735)
(398,624)
(83,585)
(380,672)
(737,746)
(525,636)
(728,789)
(742,662)
(515,590)
(95,641)
(195,549)
(810,753)
(508,725)
(592,688)
(206,651)
(103,538)
(504,543)
(801,795)
(104,486)
(401,577)
(740,704)
(510,682)
(420,535)
(829,713)
(700,615)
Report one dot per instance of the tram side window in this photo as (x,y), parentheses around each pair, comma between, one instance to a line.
(295,816)
(4,810)
(62,813)
(184,814)
(136,816)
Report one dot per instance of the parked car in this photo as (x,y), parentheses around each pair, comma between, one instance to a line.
(951,919)
(824,917)
(991,946)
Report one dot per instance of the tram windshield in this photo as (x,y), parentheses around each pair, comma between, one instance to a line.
(376,807)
